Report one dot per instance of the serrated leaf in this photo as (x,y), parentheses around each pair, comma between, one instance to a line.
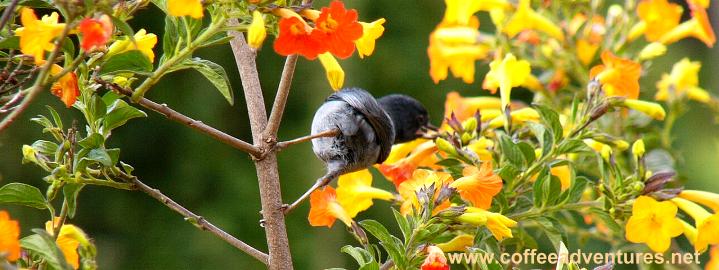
(131,61)
(22,194)
(44,246)
(118,114)
(71,192)
(574,193)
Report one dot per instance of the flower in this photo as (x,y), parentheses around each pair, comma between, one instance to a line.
(705,198)
(257,33)
(422,179)
(435,259)
(619,76)
(325,209)
(651,109)
(654,223)
(657,18)
(295,38)
(95,32)
(179,8)
(69,240)
(479,185)
(497,224)
(333,70)
(465,107)
(652,50)
(682,81)
(505,74)
(481,148)
(66,87)
(402,169)
(144,43)
(698,26)
(455,49)
(370,33)
(707,224)
(400,151)
(458,243)
(36,36)
(9,234)
(564,174)
(355,192)
(526,18)
(713,263)
(460,12)
(338,29)
(518,117)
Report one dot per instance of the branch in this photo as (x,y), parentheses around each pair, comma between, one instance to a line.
(200,222)
(8,11)
(267,173)
(323,134)
(187,121)
(281,98)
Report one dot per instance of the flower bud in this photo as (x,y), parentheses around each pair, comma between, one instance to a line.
(638,148)
(651,109)
(470,124)
(257,33)
(445,146)
(652,51)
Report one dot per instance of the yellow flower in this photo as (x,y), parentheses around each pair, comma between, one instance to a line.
(335,74)
(698,27)
(651,109)
(370,33)
(518,117)
(713,263)
(69,239)
(402,169)
(421,179)
(654,223)
(479,185)
(325,209)
(564,174)
(400,151)
(652,50)
(179,8)
(355,192)
(705,198)
(505,74)
(657,18)
(455,48)
(707,224)
(36,36)
(458,244)
(461,11)
(497,224)
(465,107)
(257,33)
(682,81)
(638,148)
(619,76)
(525,18)
(480,147)
(144,42)
(586,51)
(9,235)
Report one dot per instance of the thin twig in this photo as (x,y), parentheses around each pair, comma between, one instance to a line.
(323,134)
(199,221)
(387,265)
(6,14)
(283,91)
(187,121)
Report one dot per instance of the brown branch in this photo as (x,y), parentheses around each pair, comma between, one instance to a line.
(281,98)
(6,14)
(323,134)
(200,222)
(187,121)
(266,167)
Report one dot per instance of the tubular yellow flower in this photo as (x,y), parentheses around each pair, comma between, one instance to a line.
(657,18)
(518,117)
(144,42)
(335,74)
(400,151)
(619,76)
(497,224)
(713,263)
(257,33)
(479,185)
(705,198)
(707,224)
(370,33)
(689,232)
(421,179)
(179,8)
(505,74)
(455,48)
(465,107)
(9,237)
(69,239)
(652,50)
(651,109)
(654,223)
(324,208)
(564,174)
(701,3)
(480,147)
(682,81)
(355,192)
(526,18)
(461,11)
(698,27)
(36,36)
(458,244)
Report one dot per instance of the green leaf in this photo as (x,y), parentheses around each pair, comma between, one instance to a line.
(43,245)
(449,162)
(572,146)
(96,107)
(123,27)
(55,117)
(527,151)
(403,224)
(170,37)
(130,61)
(69,48)
(71,192)
(608,220)
(12,42)
(118,114)
(539,187)
(511,151)
(101,156)
(389,242)
(95,140)
(45,147)
(363,257)
(553,230)
(574,193)
(550,118)
(22,194)
(30,3)
(214,73)
(552,190)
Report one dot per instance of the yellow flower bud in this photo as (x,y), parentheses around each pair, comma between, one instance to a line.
(652,51)
(257,33)
(335,74)
(638,148)
(651,109)
(445,146)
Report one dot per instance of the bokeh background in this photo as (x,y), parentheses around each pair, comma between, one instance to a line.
(133,231)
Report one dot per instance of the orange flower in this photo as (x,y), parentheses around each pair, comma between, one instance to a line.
(435,259)
(422,179)
(465,107)
(402,169)
(338,29)
(325,209)
(478,185)
(66,87)
(69,240)
(698,26)
(619,76)
(9,234)
(658,17)
(95,32)
(295,38)
(713,263)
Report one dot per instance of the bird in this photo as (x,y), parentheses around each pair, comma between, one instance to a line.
(352,131)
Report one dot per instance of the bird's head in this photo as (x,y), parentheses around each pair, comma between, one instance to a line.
(408,115)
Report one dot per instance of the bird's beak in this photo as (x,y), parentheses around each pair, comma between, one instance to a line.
(431,127)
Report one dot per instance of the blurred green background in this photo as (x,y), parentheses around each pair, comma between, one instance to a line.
(133,231)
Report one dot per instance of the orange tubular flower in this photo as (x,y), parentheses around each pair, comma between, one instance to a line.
(479,185)
(295,38)
(422,179)
(657,18)
(435,259)
(713,263)
(66,87)
(338,29)
(619,76)
(698,27)
(325,209)
(9,234)
(465,107)
(95,32)
(36,36)
(402,169)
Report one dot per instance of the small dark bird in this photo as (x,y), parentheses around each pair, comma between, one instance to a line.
(355,131)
